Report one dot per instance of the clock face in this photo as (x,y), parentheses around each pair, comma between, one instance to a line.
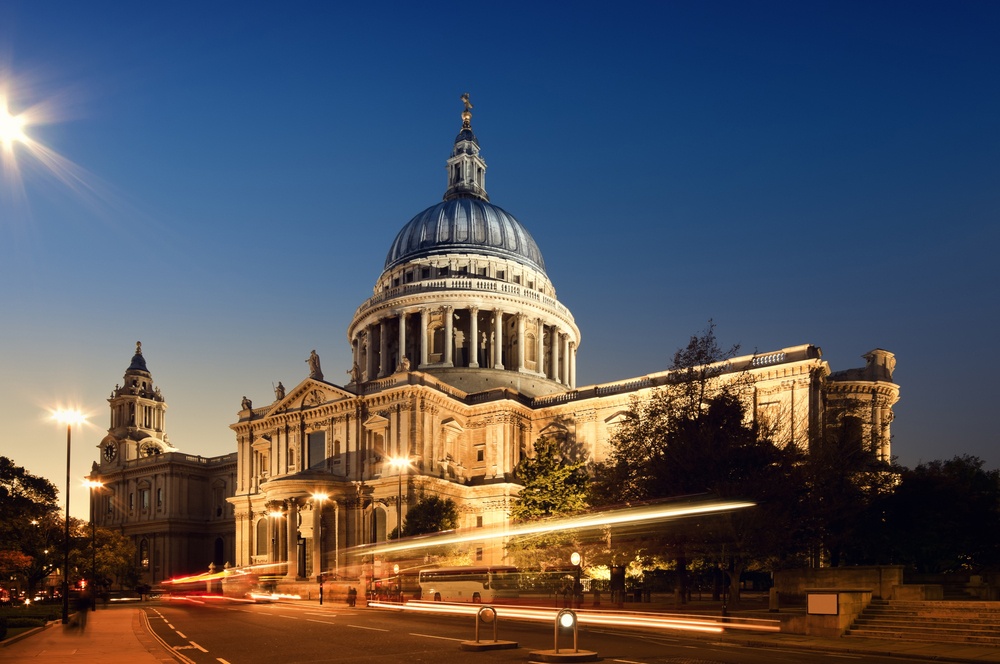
(110,451)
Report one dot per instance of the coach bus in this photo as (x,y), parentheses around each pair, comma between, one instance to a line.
(468,584)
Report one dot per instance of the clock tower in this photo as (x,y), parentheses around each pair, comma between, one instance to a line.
(138,413)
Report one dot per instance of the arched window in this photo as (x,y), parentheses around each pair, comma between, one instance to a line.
(378,525)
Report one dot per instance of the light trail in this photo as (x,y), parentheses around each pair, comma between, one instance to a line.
(593,521)
(595,618)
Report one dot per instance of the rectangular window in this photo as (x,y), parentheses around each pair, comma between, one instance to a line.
(479,553)
(501,274)
(317,449)
(443,271)
(480,455)
(482,272)
(131,501)
(144,498)
(159,497)
(425,273)
(479,522)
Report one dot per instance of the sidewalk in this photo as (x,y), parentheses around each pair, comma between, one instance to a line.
(113,635)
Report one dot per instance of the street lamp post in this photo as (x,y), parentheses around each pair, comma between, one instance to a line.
(93,485)
(69,418)
(399,463)
(319,498)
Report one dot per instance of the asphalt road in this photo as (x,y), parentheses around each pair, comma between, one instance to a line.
(288,633)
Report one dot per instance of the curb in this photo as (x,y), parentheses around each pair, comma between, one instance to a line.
(30,632)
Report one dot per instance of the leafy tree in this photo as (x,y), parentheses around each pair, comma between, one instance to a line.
(695,437)
(945,516)
(555,482)
(31,532)
(554,485)
(430,514)
(844,483)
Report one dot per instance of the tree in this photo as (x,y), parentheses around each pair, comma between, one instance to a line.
(31,532)
(945,517)
(430,514)
(695,437)
(844,483)
(554,485)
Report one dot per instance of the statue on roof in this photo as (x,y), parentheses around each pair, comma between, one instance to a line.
(314,370)
(279,392)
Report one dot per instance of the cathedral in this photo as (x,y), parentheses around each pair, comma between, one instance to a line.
(463,357)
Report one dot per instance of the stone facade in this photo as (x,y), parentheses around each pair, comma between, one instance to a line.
(172,505)
(462,358)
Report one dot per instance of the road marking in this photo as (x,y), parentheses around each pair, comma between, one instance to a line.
(219,659)
(325,622)
(321,613)
(289,617)
(197,646)
(179,633)
(434,636)
(627,661)
(374,629)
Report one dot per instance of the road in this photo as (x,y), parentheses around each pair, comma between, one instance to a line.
(211,633)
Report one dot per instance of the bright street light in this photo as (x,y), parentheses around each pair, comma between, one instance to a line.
(69,418)
(400,464)
(93,485)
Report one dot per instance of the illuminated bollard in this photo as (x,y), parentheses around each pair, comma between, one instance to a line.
(566,618)
(487,614)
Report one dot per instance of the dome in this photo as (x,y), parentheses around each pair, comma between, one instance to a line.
(465,225)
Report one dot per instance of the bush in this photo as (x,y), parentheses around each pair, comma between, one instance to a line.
(25,622)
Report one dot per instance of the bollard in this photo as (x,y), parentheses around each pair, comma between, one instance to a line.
(565,618)
(487,614)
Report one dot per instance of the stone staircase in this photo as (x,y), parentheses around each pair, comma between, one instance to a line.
(930,621)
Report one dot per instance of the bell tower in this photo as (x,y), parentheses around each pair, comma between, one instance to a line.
(138,415)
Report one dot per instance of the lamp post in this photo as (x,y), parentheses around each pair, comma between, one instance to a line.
(93,485)
(399,463)
(69,418)
(319,498)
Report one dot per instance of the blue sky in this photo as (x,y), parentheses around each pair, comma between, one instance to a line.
(821,173)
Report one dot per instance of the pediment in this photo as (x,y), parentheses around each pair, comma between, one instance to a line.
(618,418)
(376,422)
(450,425)
(310,393)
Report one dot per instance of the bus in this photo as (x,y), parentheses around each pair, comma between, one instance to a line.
(468,584)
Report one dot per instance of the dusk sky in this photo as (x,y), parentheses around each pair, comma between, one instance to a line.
(222,181)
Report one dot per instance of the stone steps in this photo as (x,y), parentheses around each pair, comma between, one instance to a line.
(930,622)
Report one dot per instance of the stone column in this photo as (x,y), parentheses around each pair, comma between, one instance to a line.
(473,337)
(402,336)
(539,346)
(497,339)
(449,334)
(556,337)
(423,337)
(519,321)
(317,514)
(292,516)
(565,359)
(370,360)
(383,351)
(572,365)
